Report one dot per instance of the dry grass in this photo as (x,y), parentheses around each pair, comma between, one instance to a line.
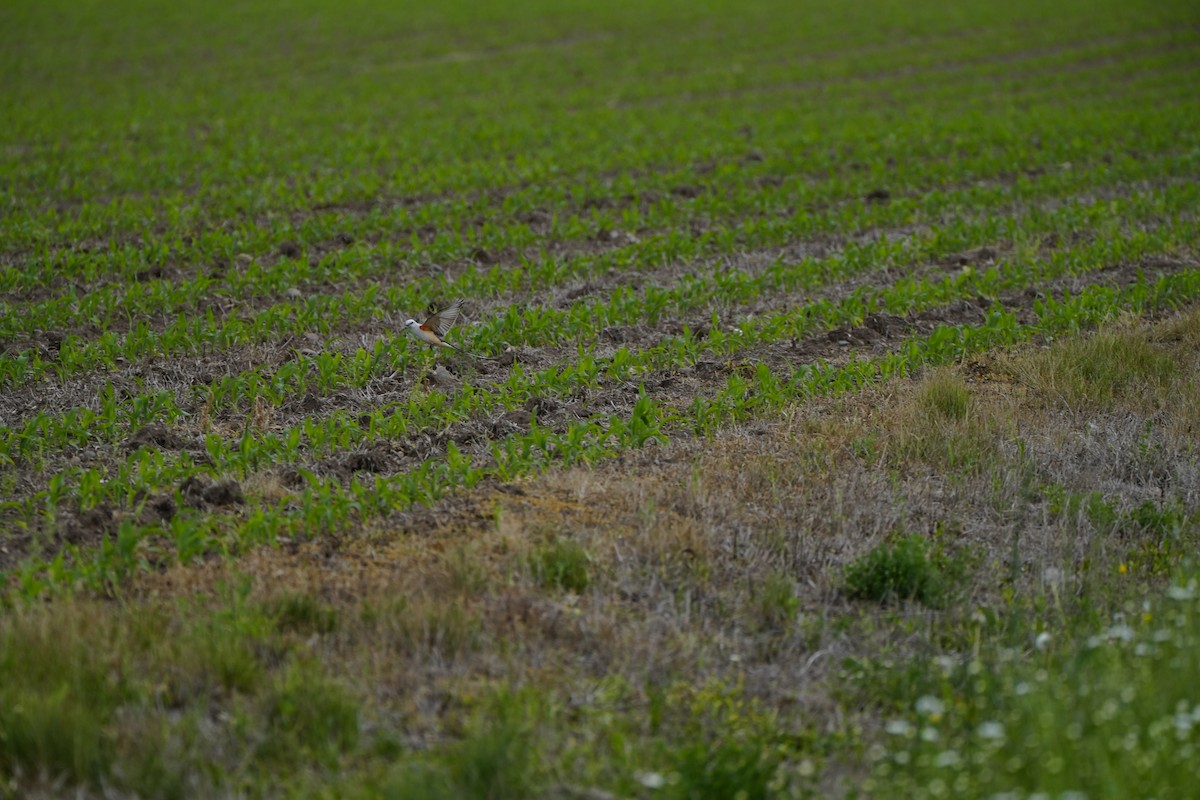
(681,540)
(715,562)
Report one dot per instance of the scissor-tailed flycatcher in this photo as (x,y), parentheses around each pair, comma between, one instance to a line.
(433,329)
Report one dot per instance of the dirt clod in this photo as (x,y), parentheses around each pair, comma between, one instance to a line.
(444,378)
(617,334)
(291,477)
(160,508)
(155,435)
(149,274)
(91,524)
(290,249)
(192,489)
(541,405)
(224,493)
(886,324)
(511,422)
(53,340)
(375,459)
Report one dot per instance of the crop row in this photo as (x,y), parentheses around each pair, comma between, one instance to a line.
(204,226)
(918,156)
(433,412)
(326,506)
(327,372)
(125,173)
(330,371)
(322,313)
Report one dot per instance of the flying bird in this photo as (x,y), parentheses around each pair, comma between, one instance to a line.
(433,329)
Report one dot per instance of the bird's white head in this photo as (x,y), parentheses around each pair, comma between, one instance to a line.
(410,323)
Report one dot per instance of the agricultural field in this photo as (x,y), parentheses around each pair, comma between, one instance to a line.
(838,431)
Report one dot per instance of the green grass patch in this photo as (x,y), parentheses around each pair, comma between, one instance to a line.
(909,567)
(562,564)
(1096,372)
(309,717)
(946,397)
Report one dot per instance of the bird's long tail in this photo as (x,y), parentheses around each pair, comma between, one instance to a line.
(467,352)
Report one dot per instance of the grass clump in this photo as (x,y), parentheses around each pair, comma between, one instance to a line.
(493,763)
(731,768)
(562,564)
(1164,535)
(936,427)
(1096,372)
(60,731)
(309,714)
(497,758)
(775,602)
(945,397)
(301,613)
(76,706)
(727,745)
(908,568)
(424,625)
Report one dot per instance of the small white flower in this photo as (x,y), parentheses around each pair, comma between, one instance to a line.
(651,780)
(1122,633)
(1177,592)
(1043,640)
(929,734)
(928,705)
(948,758)
(898,727)
(991,730)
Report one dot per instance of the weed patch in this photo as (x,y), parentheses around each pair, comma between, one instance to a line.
(1096,372)
(309,718)
(562,564)
(908,567)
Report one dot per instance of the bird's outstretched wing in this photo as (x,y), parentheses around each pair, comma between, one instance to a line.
(442,321)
